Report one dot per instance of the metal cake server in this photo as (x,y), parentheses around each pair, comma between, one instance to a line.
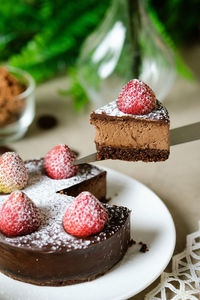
(185,134)
(179,135)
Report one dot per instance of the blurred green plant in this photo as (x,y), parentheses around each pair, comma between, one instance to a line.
(75,90)
(44,36)
(181,67)
(180,18)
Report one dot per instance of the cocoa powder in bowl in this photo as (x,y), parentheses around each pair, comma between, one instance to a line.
(11,106)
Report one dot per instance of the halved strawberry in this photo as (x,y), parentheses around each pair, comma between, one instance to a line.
(85,215)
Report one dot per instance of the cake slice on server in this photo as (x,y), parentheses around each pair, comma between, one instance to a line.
(134,127)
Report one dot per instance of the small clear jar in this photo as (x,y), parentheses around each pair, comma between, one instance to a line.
(21,108)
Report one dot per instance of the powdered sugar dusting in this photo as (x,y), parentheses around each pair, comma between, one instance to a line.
(111,109)
(51,235)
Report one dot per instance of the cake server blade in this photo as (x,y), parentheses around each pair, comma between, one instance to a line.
(87,159)
(179,135)
(185,134)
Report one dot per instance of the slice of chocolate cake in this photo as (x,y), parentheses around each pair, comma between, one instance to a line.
(132,137)
(51,256)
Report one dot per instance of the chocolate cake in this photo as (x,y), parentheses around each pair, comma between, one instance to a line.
(131,137)
(51,256)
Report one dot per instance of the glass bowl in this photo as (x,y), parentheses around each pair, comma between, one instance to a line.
(125,46)
(17,113)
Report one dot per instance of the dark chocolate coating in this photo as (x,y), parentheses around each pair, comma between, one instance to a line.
(42,267)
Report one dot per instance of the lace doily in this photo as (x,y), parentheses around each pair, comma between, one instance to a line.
(183,283)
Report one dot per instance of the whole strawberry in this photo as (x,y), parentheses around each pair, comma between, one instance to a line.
(58,162)
(136,98)
(19,215)
(13,174)
(85,215)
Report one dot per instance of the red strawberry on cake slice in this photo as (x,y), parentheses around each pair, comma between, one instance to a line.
(134,127)
(136,98)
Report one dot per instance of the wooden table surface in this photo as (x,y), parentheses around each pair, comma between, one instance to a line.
(176,181)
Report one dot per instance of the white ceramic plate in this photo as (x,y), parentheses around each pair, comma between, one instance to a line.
(151,223)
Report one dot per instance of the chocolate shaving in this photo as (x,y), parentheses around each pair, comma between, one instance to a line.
(144,248)
(132,242)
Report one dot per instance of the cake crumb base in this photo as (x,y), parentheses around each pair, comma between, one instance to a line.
(131,154)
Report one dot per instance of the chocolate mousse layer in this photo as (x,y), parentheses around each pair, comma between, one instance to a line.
(131,137)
